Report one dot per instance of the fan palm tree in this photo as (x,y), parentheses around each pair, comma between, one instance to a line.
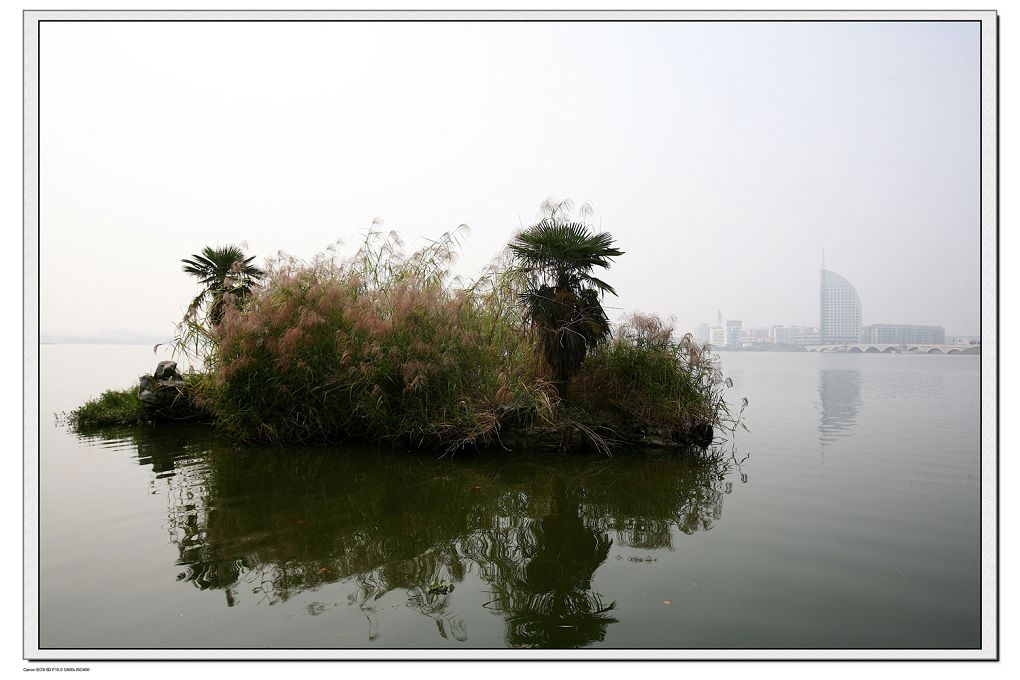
(221,271)
(563,301)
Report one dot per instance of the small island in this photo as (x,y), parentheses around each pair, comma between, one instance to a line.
(389,348)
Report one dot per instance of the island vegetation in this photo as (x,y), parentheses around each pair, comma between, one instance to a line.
(388,347)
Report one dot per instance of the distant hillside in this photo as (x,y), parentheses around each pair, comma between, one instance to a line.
(112,337)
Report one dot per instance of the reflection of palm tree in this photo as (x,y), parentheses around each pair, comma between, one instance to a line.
(221,272)
(547,600)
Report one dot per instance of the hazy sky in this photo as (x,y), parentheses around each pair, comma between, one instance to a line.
(723,156)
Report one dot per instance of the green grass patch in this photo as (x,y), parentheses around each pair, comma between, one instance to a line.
(113,407)
(644,379)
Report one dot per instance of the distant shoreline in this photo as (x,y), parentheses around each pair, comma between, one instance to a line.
(105,341)
(965,350)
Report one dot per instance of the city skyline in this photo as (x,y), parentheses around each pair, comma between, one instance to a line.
(840,320)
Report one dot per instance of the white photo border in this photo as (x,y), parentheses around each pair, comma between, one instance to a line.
(989,649)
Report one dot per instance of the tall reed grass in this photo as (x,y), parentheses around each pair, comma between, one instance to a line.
(377,347)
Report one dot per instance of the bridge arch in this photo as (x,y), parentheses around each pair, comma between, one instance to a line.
(855,350)
(889,350)
(872,350)
(935,350)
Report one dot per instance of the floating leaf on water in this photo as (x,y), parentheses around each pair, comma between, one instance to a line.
(440,588)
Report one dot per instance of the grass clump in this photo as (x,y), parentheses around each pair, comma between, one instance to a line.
(112,407)
(644,379)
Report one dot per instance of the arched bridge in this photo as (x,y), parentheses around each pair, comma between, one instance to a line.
(886,348)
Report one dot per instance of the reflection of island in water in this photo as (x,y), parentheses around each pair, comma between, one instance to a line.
(272,523)
(839,391)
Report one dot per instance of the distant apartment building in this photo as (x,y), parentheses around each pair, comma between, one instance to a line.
(734,334)
(786,335)
(904,334)
(717,338)
(792,335)
(840,310)
(730,336)
(702,334)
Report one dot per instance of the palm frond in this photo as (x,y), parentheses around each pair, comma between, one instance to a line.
(599,284)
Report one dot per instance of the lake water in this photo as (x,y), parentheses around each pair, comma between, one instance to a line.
(847,516)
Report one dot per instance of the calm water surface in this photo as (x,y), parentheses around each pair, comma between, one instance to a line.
(846,517)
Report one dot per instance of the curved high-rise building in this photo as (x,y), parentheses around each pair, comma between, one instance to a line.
(840,318)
